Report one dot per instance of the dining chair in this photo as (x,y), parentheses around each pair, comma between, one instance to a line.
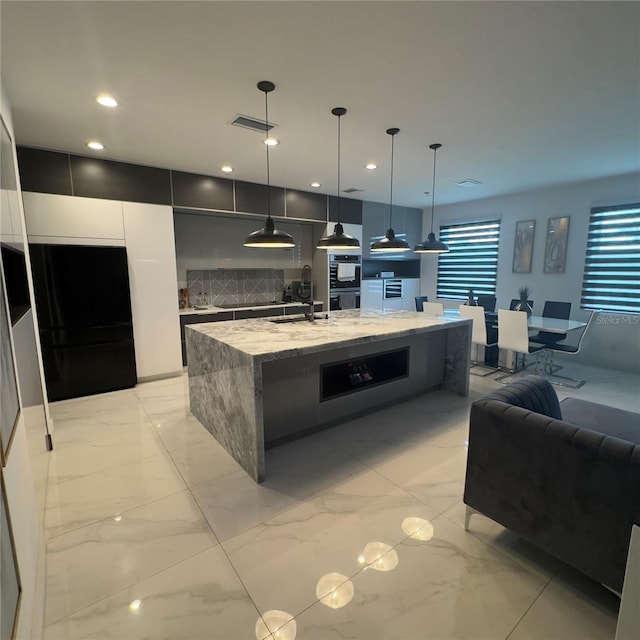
(553,309)
(433,308)
(488,303)
(513,335)
(546,368)
(420,300)
(514,302)
(478,337)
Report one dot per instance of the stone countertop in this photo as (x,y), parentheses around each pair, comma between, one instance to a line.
(267,340)
(214,309)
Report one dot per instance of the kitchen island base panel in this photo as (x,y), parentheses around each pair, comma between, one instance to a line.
(293,402)
(225,392)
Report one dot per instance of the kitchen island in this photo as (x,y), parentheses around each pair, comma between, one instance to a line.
(259,382)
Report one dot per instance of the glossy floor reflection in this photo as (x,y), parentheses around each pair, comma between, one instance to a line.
(153,531)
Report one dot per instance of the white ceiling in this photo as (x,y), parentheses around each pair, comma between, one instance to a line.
(522,95)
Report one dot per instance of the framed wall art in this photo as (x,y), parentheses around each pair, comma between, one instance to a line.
(555,250)
(523,246)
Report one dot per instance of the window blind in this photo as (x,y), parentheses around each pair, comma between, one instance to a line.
(612,265)
(472,260)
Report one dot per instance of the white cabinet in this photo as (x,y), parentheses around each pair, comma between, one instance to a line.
(151,254)
(147,232)
(56,219)
(10,220)
(410,289)
(371,294)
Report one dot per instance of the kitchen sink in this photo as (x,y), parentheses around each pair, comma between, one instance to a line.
(284,320)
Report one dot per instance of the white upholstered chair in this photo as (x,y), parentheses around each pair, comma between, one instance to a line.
(478,337)
(433,308)
(513,335)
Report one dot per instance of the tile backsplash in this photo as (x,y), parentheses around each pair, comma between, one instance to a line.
(231,286)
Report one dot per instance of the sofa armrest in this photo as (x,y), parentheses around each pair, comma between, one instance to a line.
(571,491)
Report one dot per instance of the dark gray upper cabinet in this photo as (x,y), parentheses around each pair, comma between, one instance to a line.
(405,221)
(350,210)
(375,222)
(98,178)
(44,171)
(252,198)
(306,205)
(202,192)
(413,227)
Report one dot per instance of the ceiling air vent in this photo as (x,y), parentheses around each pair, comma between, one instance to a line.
(468,182)
(252,123)
(352,190)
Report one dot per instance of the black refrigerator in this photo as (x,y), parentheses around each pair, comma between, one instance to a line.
(84,311)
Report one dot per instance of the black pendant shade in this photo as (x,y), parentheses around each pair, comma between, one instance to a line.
(338,240)
(390,243)
(268,237)
(431,245)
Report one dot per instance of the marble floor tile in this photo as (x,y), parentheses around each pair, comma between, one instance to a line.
(83,459)
(514,547)
(79,502)
(326,534)
(308,466)
(434,474)
(203,462)
(121,423)
(200,597)
(97,560)
(235,502)
(89,405)
(452,586)
(178,430)
(572,606)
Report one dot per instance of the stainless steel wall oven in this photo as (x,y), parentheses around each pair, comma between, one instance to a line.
(344,281)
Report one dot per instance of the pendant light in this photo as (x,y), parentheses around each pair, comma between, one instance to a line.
(431,245)
(390,244)
(268,237)
(338,239)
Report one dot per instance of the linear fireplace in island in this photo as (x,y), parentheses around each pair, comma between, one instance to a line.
(257,383)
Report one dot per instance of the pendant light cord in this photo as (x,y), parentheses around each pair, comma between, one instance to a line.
(266,117)
(391,185)
(339,117)
(433,189)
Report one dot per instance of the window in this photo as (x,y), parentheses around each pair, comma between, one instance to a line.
(472,260)
(612,265)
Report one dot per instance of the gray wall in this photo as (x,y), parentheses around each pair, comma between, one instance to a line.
(215,242)
(615,339)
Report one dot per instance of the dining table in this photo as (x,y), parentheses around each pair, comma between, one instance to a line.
(535,323)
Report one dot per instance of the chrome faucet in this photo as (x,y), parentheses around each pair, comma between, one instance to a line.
(306,273)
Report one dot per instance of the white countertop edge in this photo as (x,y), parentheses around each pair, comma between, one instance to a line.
(264,341)
(212,309)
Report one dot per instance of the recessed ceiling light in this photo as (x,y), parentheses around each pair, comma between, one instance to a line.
(468,183)
(371,166)
(106,101)
(272,142)
(95,145)
(315,185)
(226,168)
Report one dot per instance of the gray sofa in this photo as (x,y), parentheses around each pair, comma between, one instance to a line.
(564,476)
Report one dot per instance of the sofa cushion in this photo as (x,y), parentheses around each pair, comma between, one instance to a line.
(530,392)
(609,421)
